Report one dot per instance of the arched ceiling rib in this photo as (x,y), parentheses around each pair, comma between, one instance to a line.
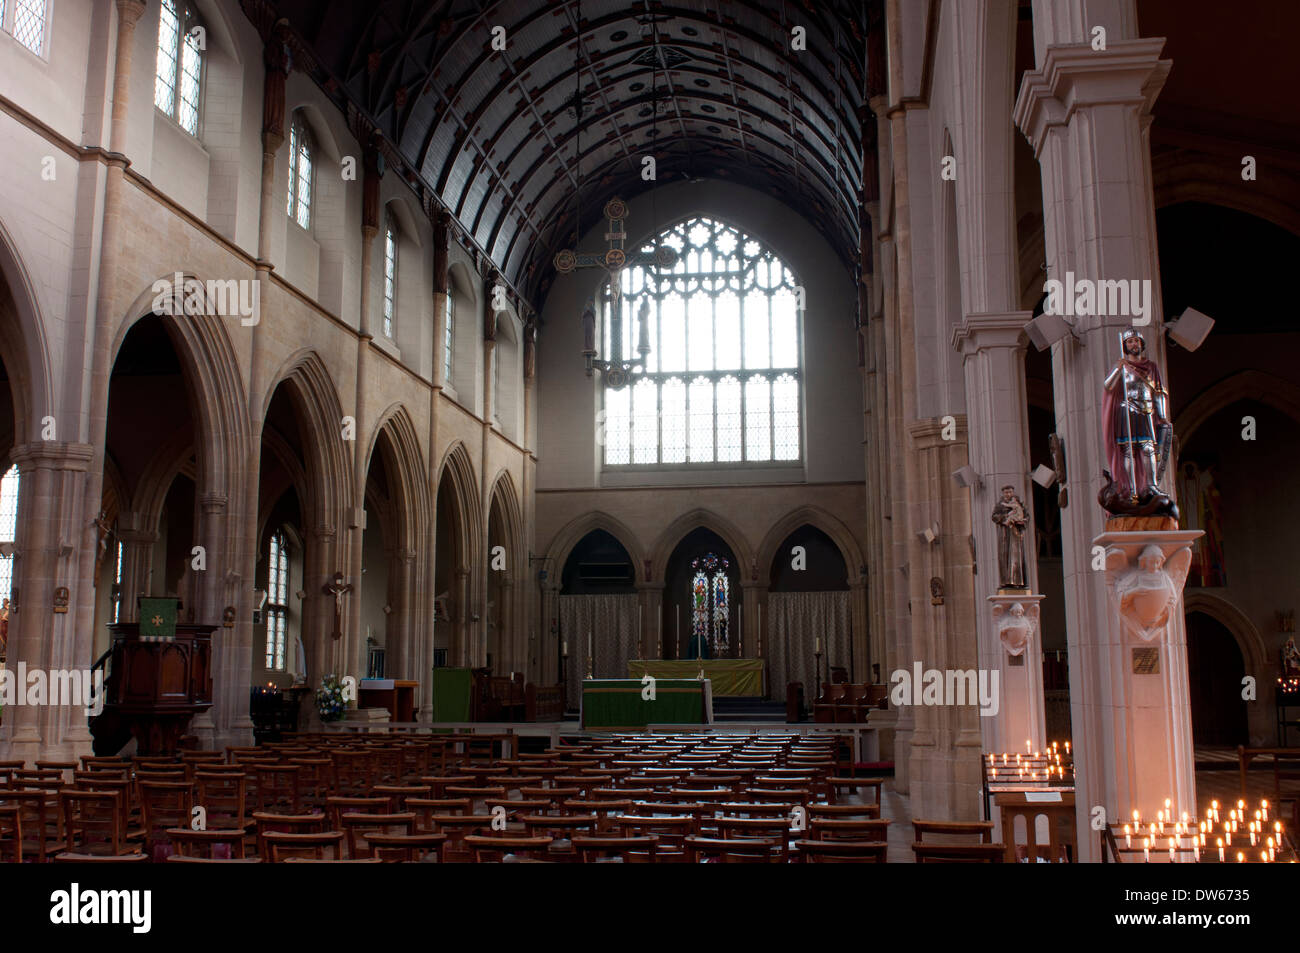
(494,133)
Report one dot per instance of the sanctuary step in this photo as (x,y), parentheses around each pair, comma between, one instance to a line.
(748,709)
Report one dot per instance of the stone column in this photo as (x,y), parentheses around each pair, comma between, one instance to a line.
(52,480)
(993,349)
(1086,112)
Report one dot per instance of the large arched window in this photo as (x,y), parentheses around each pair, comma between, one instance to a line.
(179,68)
(390,275)
(301,150)
(277,602)
(722,383)
(8,531)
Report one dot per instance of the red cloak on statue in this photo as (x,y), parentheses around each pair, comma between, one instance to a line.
(1115,429)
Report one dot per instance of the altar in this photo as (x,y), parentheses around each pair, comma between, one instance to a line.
(618,704)
(731,677)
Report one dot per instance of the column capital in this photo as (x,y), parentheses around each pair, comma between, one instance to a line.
(928,433)
(52,455)
(1128,72)
(979,332)
(129,11)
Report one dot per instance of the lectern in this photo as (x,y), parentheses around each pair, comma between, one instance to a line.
(153,687)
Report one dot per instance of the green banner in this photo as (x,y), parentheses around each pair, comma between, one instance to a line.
(158,618)
(451,693)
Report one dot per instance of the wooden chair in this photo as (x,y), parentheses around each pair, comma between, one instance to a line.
(42,820)
(286,824)
(983,851)
(735,850)
(277,788)
(65,768)
(398,793)
(1059,818)
(93,822)
(353,770)
(11,833)
(224,796)
(847,829)
(407,848)
(776,830)
(73,857)
(458,827)
(182,859)
(845,812)
(281,846)
(496,849)
(315,780)
(357,826)
(629,850)
(215,844)
(163,805)
(958,853)
(426,808)
(336,807)
(7,769)
(841,852)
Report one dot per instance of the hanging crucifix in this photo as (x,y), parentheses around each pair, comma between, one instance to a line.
(613,260)
(337,588)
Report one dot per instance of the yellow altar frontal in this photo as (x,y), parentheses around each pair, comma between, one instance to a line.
(730,676)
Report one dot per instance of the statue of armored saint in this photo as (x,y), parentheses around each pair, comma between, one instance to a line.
(1010,516)
(1137,434)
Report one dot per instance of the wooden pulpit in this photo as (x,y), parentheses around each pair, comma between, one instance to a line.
(153,687)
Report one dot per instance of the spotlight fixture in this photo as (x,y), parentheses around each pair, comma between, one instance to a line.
(929,535)
(1044,476)
(1046,329)
(966,476)
(1191,329)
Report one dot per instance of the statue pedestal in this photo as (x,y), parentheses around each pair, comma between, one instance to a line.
(1019,663)
(1128,685)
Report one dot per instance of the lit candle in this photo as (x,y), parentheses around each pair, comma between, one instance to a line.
(1171,850)
(1028,746)
(1196,851)
(1263,856)
(1241,857)
(1252,833)
(1128,839)
(1067,747)
(1220,850)
(1264,805)
(1136,819)
(1146,850)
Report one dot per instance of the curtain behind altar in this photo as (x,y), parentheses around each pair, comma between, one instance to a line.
(794,621)
(611,620)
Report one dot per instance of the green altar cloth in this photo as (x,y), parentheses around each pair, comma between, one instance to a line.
(451,691)
(730,676)
(616,703)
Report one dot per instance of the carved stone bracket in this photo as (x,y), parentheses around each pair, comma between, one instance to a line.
(1015,617)
(1145,574)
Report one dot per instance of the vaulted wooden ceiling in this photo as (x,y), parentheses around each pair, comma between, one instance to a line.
(711,88)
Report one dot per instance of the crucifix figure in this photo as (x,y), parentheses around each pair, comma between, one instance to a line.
(613,260)
(336,589)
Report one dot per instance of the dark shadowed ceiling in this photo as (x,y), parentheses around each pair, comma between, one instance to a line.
(711,89)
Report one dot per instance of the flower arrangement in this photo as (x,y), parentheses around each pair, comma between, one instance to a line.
(329,700)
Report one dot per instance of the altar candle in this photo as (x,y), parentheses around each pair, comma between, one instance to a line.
(817,645)
(564,648)
(1220,850)
(589,646)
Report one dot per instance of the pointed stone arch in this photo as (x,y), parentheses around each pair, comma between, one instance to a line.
(462,572)
(312,391)
(1254,653)
(731,535)
(577,529)
(23,347)
(818,519)
(507,585)
(1275,392)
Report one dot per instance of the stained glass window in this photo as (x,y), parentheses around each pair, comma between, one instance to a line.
(117,585)
(277,599)
(723,378)
(448,337)
(390,276)
(179,65)
(300,161)
(710,607)
(8,528)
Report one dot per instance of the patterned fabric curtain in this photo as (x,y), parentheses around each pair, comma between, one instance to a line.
(794,621)
(611,621)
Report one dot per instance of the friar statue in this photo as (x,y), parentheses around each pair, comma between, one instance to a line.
(1011,519)
(1137,433)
